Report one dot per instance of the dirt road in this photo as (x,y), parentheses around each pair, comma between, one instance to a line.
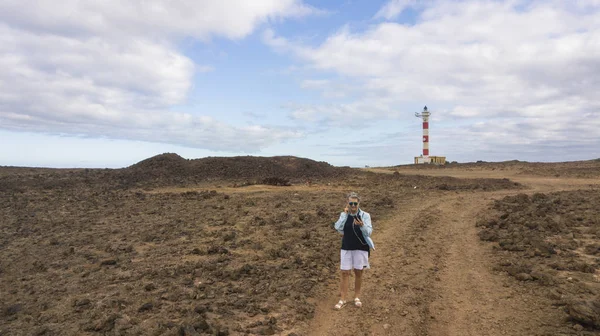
(431,274)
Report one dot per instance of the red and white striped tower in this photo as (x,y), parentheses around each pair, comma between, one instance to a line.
(425,116)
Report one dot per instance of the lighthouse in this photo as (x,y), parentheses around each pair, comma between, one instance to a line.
(425,158)
(425,116)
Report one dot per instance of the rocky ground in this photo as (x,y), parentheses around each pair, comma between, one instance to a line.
(578,169)
(245,246)
(552,242)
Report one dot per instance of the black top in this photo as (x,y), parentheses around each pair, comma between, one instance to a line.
(353,238)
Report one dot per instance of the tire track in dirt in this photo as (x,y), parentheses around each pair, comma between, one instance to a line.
(472,299)
(433,276)
(394,289)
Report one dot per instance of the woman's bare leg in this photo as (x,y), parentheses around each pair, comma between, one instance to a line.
(357,282)
(344,285)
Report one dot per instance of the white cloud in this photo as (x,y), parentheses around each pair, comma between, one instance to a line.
(340,114)
(113,69)
(329,89)
(315,83)
(201,19)
(394,8)
(505,62)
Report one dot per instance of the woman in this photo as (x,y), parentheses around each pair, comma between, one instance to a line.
(355,226)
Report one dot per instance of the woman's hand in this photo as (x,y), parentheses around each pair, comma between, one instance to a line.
(358,222)
(346,209)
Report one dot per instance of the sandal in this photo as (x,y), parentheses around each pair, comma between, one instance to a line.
(357,302)
(340,304)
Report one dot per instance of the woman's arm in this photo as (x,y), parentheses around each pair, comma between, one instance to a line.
(339,225)
(367,227)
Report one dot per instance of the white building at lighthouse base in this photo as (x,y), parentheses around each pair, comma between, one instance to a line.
(437,160)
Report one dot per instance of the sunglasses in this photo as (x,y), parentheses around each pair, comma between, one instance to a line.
(352,203)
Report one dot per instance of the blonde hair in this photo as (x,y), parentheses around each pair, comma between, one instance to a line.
(353,195)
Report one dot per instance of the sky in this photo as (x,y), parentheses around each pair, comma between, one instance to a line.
(105,84)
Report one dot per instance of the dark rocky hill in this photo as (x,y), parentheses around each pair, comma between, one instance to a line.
(171,168)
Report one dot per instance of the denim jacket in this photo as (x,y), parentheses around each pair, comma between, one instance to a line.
(366,229)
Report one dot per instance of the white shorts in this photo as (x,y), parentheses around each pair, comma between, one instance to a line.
(354,259)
